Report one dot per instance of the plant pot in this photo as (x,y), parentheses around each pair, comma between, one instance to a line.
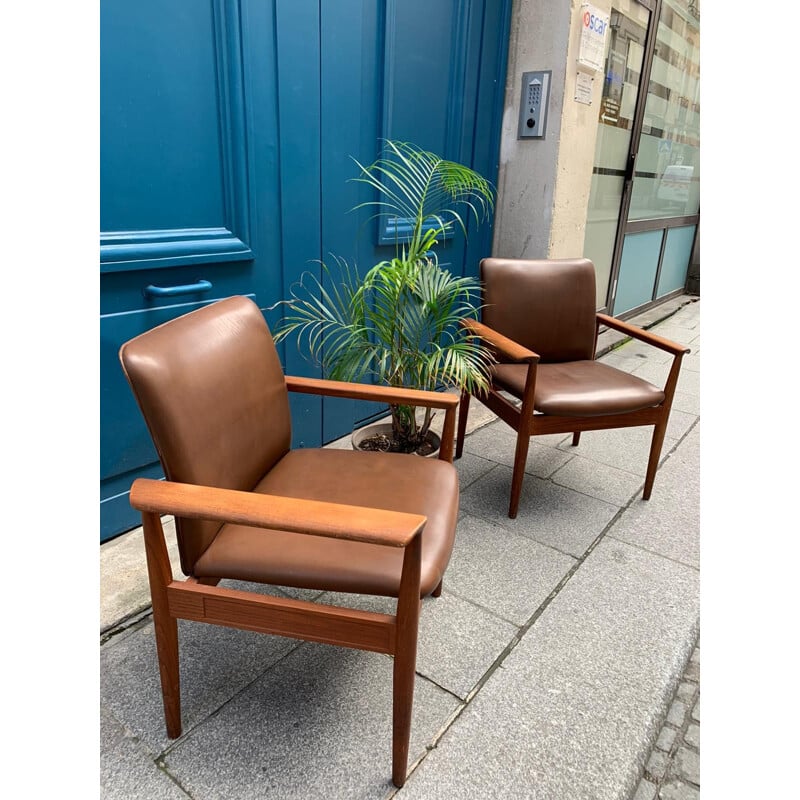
(361,438)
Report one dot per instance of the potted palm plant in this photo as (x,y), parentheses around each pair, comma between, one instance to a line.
(398,324)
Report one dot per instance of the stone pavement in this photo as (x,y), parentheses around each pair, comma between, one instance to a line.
(673,770)
(547,669)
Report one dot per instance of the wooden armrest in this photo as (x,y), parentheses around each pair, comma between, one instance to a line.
(366,391)
(643,335)
(502,344)
(332,520)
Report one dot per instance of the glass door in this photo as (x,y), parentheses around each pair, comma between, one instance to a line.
(615,150)
(664,211)
(644,203)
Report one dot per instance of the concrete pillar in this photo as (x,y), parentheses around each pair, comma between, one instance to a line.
(544,184)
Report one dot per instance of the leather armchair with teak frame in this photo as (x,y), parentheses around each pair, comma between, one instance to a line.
(249,508)
(540,319)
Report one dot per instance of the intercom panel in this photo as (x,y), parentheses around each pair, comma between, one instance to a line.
(534,104)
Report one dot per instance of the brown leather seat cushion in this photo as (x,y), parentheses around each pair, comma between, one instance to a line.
(343,476)
(580,388)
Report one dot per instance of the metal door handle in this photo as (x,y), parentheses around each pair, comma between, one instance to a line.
(629,167)
(172,291)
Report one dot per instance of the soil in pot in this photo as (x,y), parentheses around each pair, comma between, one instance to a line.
(378,439)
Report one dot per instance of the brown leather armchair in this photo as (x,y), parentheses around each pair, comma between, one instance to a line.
(247,507)
(540,319)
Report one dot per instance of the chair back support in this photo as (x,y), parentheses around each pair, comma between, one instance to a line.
(547,305)
(212,392)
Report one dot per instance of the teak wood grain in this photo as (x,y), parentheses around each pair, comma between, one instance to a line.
(296,619)
(334,520)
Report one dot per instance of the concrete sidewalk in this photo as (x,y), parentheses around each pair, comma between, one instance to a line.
(545,670)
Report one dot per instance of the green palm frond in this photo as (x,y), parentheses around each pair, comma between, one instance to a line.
(399,323)
(422,189)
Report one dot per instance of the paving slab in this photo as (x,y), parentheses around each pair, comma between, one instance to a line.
(688,403)
(689,382)
(561,518)
(471,467)
(457,641)
(497,441)
(637,349)
(669,522)
(691,362)
(505,572)
(215,664)
(626,449)
(317,725)
(127,770)
(680,331)
(124,588)
(592,631)
(625,360)
(615,486)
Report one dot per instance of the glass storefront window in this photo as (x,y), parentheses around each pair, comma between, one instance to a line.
(667,178)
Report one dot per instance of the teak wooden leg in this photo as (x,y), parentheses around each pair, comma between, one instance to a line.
(576,437)
(167,647)
(520,457)
(655,453)
(405,659)
(437,592)
(166,626)
(463,413)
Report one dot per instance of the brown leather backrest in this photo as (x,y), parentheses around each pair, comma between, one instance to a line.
(212,392)
(547,305)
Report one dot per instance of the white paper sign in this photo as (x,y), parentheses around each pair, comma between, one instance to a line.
(594,27)
(583,88)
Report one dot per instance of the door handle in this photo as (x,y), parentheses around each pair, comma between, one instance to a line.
(172,291)
(629,167)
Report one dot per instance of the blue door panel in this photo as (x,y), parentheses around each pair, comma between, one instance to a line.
(160,132)
(175,187)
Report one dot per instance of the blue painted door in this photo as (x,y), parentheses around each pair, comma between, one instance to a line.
(228,133)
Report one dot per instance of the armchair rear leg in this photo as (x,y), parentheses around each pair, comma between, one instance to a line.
(576,437)
(655,453)
(463,412)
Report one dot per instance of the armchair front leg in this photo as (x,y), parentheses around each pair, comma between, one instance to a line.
(159,571)
(678,351)
(405,658)
(524,431)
